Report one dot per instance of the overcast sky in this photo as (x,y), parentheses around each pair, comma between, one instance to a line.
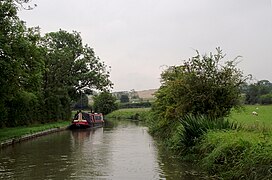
(137,38)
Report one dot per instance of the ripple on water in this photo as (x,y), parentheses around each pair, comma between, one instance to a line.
(125,151)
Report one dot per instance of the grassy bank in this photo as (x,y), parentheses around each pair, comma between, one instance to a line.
(241,154)
(237,154)
(16,132)
(240,148)
(131,113)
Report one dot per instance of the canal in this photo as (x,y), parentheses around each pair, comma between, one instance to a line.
(120,150)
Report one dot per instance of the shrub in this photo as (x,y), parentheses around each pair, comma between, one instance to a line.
(194,127)
(104,103)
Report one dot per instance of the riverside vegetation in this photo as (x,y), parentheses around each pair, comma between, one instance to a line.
(198,113)
(238,148)
(131,113)
(41,76)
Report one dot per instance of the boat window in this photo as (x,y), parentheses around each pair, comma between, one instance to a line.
(97,117)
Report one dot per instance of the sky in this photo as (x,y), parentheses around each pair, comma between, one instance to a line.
(138,39)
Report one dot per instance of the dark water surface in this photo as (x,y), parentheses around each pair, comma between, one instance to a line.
(120,150)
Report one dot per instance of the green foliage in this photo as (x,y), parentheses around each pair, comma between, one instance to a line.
(260,92)
(237,154)
(71,69)
(24,109)
(266,99)
(82,102)
(9,133)
(72,66)
(20,65)
(124,98)
(251,122)
(201,86)
(41,76)
(130,113)
(194,127)
(135,105)
(104,103)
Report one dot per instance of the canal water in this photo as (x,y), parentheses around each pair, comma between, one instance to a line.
(120,150)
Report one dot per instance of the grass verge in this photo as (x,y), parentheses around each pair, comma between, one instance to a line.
(237,148)
(16,132)
(237,154)
(131,113)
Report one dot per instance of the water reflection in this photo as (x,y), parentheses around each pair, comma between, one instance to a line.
(121,150)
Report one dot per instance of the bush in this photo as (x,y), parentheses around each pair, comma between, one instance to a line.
(201,86)
(194,127)
(104,103)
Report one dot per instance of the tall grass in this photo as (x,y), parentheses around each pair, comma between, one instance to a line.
(237,154)
(196,126)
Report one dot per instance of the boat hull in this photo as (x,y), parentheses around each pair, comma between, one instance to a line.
(85,126)
(84,120)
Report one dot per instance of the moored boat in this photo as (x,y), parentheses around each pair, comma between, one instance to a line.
(87,120)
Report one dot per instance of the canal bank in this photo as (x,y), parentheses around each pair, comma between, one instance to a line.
(30,136)
(241,152)
(10,136)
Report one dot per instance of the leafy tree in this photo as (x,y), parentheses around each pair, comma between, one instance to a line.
(71,69)
(202,85)
(124,98)
(82,103)
(252,94)
(70,64)
(20,65)
(104,103)
(265,99)
(259,92)
(41,76)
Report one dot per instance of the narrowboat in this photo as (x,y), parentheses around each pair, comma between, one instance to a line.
(87,120)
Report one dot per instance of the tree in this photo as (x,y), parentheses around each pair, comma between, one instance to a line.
(41,76)
(124,98)
(104,103)
(265,99)
(202,85)
(259,92)
(71,69)
(82,102)
(20,64)
(70,64)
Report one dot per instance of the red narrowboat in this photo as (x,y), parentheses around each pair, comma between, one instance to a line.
(87,120)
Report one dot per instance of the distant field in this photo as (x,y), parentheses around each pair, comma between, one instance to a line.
(245,117)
